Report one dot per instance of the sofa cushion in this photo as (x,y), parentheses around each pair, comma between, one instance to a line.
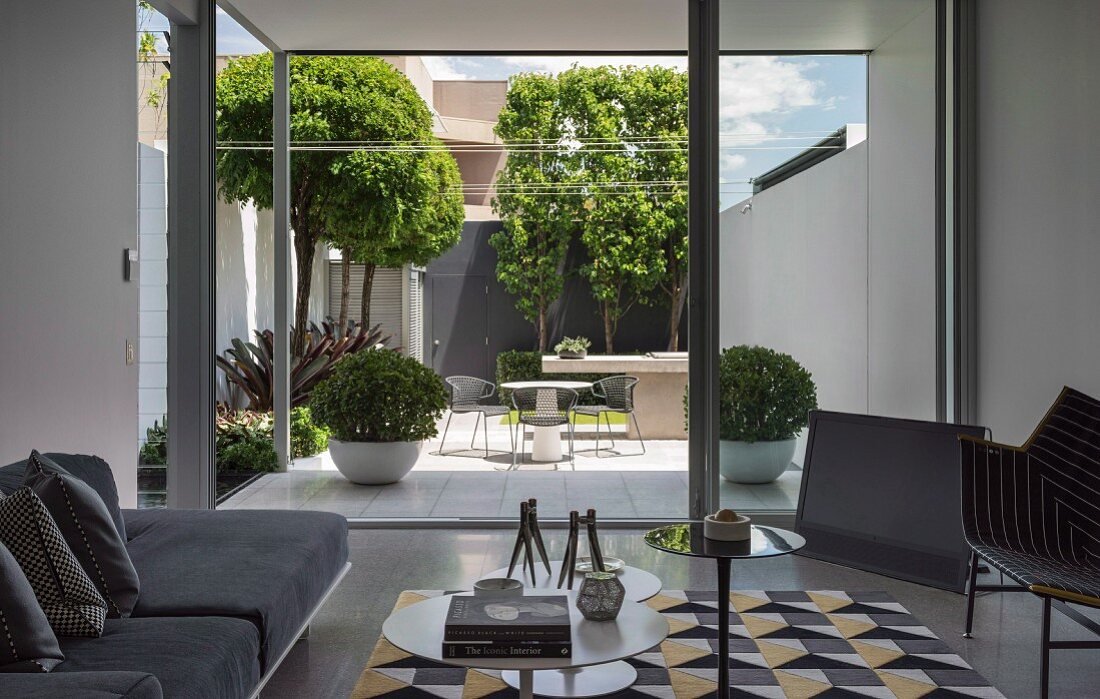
(62,588)
(269,567)
(91,469)
(203,658)
(31,645)
(87,527)
(82,685)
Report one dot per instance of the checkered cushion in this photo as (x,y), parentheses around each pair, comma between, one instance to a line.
(85,522)
(64,591)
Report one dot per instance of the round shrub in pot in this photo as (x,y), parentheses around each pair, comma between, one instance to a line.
(764,398)
(379,406)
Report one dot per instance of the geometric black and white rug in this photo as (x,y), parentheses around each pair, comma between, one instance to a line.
(782,644)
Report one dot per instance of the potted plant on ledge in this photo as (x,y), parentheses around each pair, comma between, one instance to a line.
(379,407)
(573,347)
(765,397)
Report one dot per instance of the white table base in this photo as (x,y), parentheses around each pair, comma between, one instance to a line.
(547,444)
(591,681)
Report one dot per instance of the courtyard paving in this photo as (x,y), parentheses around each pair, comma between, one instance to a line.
(468,485)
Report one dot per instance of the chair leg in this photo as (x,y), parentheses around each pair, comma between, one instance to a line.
(485,434)
(607,419)
(970,595)
(445,428)
(572,461)
(598,435)
(473,437)
(1044,661)
(512,434)
(638,429)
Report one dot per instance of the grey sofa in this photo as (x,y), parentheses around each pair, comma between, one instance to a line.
(224,596)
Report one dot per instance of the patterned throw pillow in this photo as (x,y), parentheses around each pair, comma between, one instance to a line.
(28,643)
(63,589)
(86,524)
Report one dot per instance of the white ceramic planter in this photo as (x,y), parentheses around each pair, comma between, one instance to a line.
(374,463)
(759,462)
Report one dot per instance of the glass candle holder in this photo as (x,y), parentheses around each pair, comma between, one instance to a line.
(600,596)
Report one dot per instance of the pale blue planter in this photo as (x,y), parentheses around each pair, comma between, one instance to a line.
(755,463)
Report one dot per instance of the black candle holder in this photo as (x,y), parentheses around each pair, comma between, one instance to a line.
(569,565)
(529,539)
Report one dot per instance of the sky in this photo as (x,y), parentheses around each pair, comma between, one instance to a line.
(771,107)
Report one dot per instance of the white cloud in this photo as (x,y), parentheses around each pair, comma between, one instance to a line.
(556,64)
(756,90)
(444,68)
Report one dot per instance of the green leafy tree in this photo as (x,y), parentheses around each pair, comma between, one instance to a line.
(654,118)
(354,197)
(537,224)
(617,221)
(416,215)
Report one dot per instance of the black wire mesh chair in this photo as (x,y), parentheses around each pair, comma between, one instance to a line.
(543,407)
(1033,512)
(617,396)
(467,394)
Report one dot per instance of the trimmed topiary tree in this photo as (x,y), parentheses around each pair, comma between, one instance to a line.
(379,395)
(764,395)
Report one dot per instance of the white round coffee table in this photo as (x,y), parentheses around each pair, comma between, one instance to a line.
(596,667)
(639,584)
(547,441)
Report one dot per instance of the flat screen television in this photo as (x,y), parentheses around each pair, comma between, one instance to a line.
(883,495)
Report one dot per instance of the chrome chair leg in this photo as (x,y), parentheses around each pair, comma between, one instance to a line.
(638,429)
(473,437)
(572,461)
(607,419)
(445,428)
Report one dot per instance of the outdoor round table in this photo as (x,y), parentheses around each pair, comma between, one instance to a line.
(547,442)
(639,584)
(596,667)
(688,540)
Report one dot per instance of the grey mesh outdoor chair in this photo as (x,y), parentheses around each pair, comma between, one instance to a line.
(543,407)
(467,394)
(617,396)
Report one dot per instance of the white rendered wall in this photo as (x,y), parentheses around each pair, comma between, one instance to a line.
(152,288)
(901,215)
(794,275)
(68,208)
(1038,208)
(245,294)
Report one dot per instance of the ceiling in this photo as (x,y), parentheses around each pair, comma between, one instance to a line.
(541,26)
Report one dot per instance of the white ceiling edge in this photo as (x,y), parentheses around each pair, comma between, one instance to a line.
(626,27)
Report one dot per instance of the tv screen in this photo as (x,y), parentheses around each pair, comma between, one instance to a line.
(883,495)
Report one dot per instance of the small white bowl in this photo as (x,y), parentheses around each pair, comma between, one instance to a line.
(498,587)
(739,529)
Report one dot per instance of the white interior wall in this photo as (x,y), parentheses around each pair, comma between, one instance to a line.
(901,215)
(1038,208)
(68,197)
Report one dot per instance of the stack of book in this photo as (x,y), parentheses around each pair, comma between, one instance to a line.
(508,627)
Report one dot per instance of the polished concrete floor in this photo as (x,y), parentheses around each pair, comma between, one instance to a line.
(1005,648)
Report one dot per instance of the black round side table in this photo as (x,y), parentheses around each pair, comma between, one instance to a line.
(688,540)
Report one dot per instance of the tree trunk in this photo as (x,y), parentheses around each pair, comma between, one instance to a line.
(543,339)
(345,290)
(678,297)
(608,330)
(368,283)
(304,255)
